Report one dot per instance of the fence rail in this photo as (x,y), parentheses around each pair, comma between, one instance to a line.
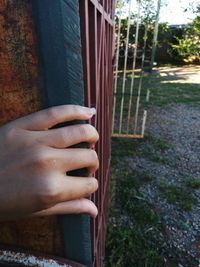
(97,34)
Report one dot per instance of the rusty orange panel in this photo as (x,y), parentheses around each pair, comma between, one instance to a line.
(19,95)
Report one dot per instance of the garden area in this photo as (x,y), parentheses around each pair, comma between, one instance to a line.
(155,181)
(154,218)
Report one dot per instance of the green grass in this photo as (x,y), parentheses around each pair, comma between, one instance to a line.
(158,143)
(128,196)
(193,183)
(175,93)
(131,246)
(150,147)
(133,224)
(179,196)
(163,91)
(136,233)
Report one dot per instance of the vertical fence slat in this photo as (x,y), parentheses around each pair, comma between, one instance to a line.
(141,76)
(125,66)
(134,64)
(116,70)
(101,76)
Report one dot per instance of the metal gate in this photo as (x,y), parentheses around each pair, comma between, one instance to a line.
(97,32)
(129,116)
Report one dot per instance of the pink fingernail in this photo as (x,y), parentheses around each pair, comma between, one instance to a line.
(92,112)
(89,111)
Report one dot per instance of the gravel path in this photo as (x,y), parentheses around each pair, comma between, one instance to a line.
(179,126)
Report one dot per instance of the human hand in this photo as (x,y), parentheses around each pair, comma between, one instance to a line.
(34,161)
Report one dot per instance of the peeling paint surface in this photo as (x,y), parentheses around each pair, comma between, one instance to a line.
(19,95)
(18,69)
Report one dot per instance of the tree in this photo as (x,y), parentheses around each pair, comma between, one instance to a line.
(188,47)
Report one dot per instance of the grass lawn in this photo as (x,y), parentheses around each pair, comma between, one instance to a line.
(136,236)
(165,89)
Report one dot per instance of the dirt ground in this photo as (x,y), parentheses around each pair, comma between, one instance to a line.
(170,155)
(185,74)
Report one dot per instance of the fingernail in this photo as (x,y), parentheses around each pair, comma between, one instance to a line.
(93,111)
(90,111)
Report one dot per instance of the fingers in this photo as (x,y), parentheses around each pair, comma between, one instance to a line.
(47,118)
(74,159)
(68,136)
(75,188)
(71,207)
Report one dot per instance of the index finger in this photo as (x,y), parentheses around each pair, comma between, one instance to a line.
(47,118)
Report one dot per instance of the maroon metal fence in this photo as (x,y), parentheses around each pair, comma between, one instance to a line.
(97,32)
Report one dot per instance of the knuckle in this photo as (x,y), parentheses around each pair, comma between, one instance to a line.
(10,134)
(83,131)
(52,113)
(40,158)
(63,137)
(50,193)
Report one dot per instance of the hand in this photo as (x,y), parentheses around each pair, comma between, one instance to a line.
(34,161)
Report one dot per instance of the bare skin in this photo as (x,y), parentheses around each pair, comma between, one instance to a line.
(34,160)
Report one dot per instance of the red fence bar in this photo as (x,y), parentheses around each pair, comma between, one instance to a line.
(97,31)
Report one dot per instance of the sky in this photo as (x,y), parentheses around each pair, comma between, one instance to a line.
(173,12)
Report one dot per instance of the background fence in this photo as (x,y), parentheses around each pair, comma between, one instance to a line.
(136,42)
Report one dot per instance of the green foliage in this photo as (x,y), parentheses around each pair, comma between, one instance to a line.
(189,45)
(147,20)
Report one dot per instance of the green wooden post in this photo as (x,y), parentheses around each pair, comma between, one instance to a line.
(61,82)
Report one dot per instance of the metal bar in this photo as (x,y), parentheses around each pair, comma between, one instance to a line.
(125,65)
(144,122)
(134,64)
(93,54)
(141,77)
(127,71)
(117,67)
(102,11)
(135,136)
(148,95)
